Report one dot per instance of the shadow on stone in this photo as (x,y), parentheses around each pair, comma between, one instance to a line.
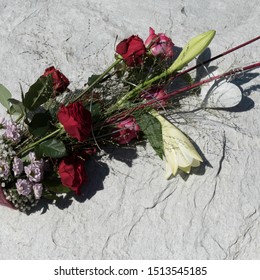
(124,154)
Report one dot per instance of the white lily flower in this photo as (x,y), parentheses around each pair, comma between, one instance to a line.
(178,151)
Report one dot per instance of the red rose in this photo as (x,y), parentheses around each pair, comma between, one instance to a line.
(60,82)
(76,120)
(72,173)
(132,50)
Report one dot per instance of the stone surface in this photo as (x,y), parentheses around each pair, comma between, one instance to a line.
(130,211)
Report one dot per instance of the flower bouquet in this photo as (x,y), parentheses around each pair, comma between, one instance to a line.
(51,131)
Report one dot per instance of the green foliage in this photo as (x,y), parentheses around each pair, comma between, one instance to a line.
(40,124)
(38,93)
(54,185)
(92,79)
(5,95)
(152,129)
(187,78)
(16,107)
(53,148)
(95,111)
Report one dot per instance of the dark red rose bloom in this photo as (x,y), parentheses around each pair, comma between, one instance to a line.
(76,120)
(132,50)
(60,82)
(72,173)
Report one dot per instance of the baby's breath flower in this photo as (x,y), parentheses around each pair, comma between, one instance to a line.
(32,156)
(37,189)
(4,169)
(17,166)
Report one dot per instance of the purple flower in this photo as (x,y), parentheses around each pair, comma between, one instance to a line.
(12,131)
(24,187)
(4,169)
(37,189)
(34,171)
(17,166)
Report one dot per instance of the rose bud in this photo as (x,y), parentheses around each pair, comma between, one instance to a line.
(72,173)
(132,50)
(60,82)
(76,120)
(126,130)
(155,94)
(159,44)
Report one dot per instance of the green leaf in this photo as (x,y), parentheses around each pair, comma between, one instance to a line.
(53,148)
(11,111)
(54,185)
(5,94)
(60,189)
(38,93)
(38,151)
(17,107)
(95,110)
(152,129)
(193,48)
(49,196)
(187,78)
(92,79)
(40,124)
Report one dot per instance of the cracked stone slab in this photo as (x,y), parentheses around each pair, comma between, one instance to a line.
(130,211)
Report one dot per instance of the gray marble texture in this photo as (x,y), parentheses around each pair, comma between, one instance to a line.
(129,210)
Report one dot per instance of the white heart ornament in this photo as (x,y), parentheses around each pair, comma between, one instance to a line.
(220,94)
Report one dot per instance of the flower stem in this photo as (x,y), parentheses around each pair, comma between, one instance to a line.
(100,77)
(136,90)
(30,147)
(217,56)
(198,84)
(184,89)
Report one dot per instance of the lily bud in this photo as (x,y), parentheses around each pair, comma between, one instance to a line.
(192,49)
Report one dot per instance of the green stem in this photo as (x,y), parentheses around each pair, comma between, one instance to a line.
(98,79)
(30,147)
(133,93)
(19,118)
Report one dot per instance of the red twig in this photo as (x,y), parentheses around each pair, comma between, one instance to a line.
(217,56)
(184,89)
(198,84)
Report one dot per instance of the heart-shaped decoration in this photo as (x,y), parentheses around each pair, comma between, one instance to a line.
(220,94)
